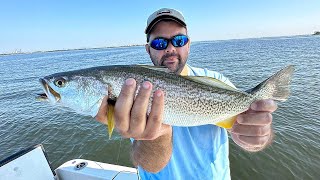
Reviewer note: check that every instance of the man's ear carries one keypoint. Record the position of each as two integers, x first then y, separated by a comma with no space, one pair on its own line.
147,48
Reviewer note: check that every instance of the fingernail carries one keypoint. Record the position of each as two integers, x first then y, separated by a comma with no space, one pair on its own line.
129,82
254,106
145,85
270,102
158,93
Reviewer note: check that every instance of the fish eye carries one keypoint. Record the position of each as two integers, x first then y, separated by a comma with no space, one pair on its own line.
60,82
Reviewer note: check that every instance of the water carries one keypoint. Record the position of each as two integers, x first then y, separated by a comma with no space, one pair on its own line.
293,155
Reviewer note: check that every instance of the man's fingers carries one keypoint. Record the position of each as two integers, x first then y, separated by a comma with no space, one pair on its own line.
264,105
255,119
123,106
254,141
131,112
251,130
153,126
139,110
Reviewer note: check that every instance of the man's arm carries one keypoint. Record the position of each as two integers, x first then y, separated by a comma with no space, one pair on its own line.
253,129
152,147
152,155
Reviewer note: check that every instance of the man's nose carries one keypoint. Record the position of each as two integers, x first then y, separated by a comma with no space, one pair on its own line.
170,48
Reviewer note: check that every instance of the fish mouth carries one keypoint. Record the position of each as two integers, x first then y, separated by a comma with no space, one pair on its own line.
49,93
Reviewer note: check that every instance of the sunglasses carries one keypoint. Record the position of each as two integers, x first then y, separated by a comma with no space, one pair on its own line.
161,43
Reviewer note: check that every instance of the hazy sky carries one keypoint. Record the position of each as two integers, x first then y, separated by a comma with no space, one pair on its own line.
47,25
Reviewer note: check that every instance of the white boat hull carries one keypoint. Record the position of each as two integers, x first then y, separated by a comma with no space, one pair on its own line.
32,163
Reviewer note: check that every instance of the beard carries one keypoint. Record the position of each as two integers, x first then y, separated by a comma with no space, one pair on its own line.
178,66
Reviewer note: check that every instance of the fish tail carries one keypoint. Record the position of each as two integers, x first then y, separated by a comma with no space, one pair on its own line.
275,87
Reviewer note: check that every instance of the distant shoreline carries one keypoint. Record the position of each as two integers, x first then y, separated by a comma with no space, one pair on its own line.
61,50
79,49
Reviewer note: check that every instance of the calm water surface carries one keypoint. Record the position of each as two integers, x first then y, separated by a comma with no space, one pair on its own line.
295,153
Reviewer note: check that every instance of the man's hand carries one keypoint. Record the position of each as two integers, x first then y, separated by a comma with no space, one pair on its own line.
252,129
131,118
131,113
152,147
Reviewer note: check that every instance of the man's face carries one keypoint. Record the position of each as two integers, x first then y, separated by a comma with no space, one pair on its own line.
174,58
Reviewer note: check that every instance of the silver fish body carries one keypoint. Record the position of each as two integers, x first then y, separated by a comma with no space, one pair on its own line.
189,101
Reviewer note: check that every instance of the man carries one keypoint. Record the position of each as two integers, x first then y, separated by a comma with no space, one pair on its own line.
164,152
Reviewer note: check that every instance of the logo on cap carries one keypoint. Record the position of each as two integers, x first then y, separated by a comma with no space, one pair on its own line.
161,12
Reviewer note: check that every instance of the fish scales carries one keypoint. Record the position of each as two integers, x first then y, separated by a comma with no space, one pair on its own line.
186,101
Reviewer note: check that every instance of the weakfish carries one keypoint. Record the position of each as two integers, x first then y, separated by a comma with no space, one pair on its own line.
189,100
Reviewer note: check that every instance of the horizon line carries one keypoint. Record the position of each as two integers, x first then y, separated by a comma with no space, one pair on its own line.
132,45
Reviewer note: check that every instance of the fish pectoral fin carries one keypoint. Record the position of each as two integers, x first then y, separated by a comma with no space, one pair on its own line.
110,116
227,123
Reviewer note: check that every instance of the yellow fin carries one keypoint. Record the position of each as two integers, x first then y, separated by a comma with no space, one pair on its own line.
110,116
228,123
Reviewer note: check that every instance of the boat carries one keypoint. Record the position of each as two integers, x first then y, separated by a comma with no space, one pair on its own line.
32,163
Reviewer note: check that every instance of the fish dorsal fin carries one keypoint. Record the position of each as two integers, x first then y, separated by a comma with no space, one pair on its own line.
209,81
156,68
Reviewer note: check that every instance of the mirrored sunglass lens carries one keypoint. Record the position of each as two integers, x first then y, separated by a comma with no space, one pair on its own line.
179,41
159,44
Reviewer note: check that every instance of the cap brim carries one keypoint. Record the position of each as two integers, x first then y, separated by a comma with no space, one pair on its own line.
160,18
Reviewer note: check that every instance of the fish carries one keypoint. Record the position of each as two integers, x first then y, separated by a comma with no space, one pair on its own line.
189,100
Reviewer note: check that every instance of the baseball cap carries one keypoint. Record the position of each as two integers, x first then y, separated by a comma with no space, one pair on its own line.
164,13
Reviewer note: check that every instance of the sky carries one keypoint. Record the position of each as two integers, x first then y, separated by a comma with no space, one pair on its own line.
53,25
